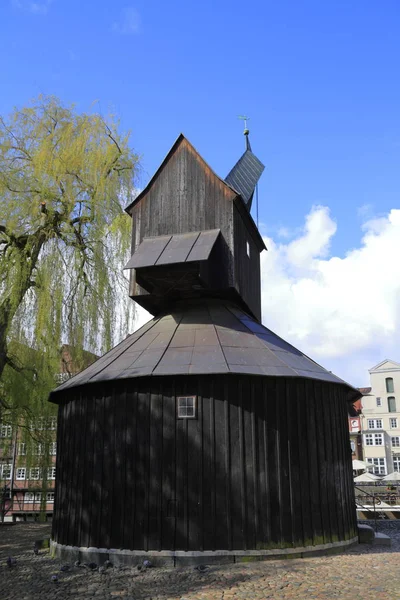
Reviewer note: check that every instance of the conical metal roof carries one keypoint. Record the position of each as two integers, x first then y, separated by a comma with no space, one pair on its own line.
204,337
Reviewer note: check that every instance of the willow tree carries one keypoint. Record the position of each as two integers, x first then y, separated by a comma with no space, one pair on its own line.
64,178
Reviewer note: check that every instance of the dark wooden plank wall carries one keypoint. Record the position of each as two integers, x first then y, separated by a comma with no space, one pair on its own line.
266,464
247,269
171,207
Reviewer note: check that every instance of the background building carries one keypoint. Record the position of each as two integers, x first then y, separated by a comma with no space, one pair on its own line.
28,474
28,458
355,430
381,419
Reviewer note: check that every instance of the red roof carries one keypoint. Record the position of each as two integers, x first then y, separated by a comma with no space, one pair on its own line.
365,391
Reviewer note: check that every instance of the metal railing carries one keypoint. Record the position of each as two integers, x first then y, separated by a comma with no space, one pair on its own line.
376,501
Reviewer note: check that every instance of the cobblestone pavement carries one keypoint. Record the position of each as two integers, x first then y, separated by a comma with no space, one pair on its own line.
364,571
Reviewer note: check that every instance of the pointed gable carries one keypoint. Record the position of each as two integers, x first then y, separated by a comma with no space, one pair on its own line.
182,159
184,195
385,365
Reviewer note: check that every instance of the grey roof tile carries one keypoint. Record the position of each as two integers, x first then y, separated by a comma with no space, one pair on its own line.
205,337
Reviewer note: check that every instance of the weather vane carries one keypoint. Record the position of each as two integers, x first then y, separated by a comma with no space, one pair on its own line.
245,119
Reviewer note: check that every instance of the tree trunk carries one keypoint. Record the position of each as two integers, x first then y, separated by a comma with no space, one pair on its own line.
10,305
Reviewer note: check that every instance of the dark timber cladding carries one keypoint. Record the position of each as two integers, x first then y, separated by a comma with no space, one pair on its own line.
206,483
185,196
204,430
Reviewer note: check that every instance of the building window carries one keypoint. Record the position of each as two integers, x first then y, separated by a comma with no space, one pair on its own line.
38,496
186,407
393,423
392,404
37,449
248,249
378,466
53,448
389,385
50,497
5,471
378,402
374,423
353,446
21,473
34,473
51,473
61,377
396,442
373,439
29,497
40,423
21,449
5,431
396,463
53,423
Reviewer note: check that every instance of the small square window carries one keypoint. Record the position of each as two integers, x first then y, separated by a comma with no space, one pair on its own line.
5,471
21,473
5,431
186,407
378,402
34,473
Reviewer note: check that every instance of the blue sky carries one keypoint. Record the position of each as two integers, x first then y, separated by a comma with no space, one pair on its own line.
320,81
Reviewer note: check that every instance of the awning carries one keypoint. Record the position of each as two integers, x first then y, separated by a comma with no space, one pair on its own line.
174,249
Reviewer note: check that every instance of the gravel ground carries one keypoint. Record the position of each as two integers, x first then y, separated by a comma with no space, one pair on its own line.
365,571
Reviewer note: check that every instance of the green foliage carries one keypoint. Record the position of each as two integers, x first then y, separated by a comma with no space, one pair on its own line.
64,238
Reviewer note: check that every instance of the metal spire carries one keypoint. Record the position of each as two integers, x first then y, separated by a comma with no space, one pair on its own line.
246,131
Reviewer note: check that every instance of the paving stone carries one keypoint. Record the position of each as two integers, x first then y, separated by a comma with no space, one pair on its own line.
311,578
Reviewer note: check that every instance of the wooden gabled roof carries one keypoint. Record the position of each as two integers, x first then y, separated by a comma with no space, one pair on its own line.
235,194
179,140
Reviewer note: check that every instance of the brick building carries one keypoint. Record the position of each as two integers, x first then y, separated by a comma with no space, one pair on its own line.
27,474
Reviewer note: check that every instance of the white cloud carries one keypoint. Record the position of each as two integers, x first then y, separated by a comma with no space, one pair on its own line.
38,8
343,312
129,22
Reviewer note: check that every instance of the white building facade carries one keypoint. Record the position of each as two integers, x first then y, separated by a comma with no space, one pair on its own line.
380,420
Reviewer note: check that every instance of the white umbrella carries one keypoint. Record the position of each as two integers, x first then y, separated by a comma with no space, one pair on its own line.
359,465
392,477
366,477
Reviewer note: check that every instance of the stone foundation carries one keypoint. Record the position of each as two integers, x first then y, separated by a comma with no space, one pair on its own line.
178,558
